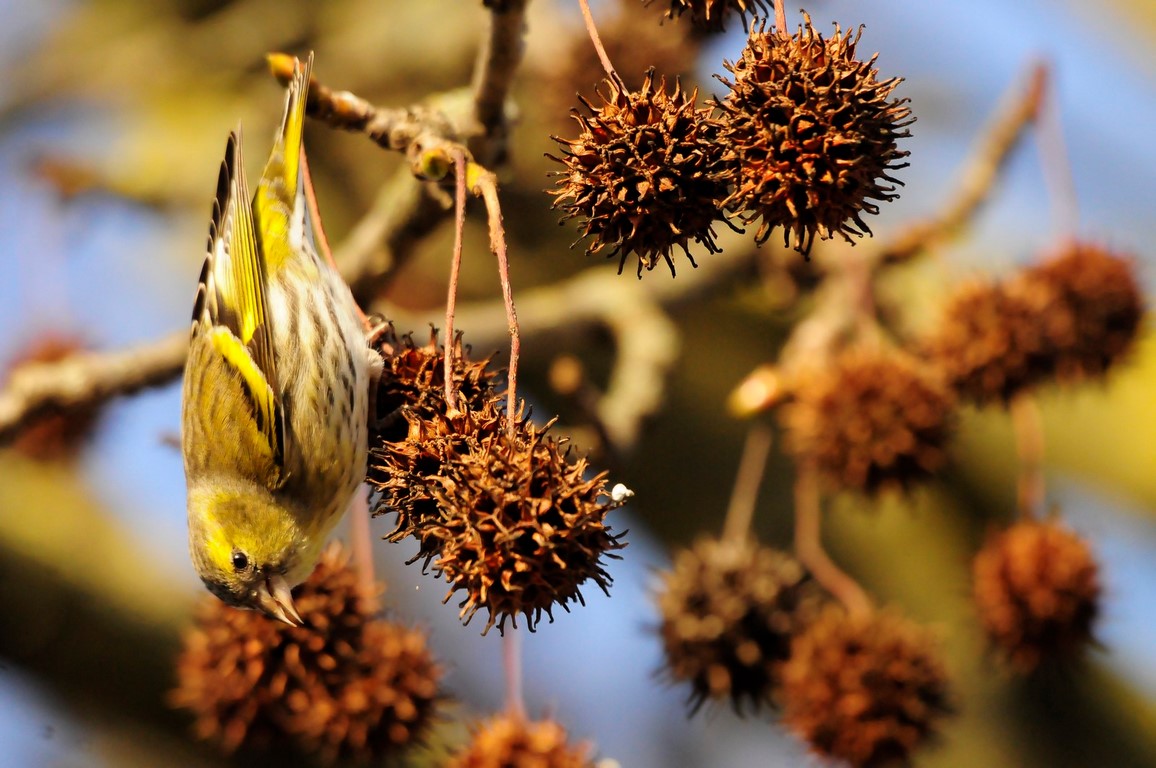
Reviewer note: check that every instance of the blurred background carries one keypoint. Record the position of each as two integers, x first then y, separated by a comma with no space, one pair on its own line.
113,115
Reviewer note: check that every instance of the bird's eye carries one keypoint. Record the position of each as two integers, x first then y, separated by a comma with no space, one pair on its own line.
240,560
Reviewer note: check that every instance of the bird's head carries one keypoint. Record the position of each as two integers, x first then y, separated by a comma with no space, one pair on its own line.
249,549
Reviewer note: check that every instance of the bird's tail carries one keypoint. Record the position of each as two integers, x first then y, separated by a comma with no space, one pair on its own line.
285,160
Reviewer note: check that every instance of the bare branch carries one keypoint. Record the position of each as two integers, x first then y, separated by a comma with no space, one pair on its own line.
1021,108
498,61
86,379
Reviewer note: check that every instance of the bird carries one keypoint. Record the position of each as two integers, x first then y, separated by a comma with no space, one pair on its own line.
276,392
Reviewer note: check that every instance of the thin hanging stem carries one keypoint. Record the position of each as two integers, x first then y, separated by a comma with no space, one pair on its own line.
512,665
361,542
597,40
455,271
489,189
1028,425
1054,159
752,468
809,546
781,19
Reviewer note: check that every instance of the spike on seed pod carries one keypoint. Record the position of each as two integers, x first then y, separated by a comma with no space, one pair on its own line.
1037,591
729,610
346,686
866,690
711,15
644,175
811,134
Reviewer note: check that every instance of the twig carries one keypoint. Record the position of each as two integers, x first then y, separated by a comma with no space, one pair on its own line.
361,542
752,467
487,184
498,61
512,665
592,30
455,270
393,128
1029,436
647,344
809,545
781,19
87,378
595,296
1056,165
1022,106
406,211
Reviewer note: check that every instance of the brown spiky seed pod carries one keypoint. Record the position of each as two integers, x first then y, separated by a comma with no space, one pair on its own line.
411,409
729,610
871,421
519,527
643,176
413,381
1037,591
711,15
55,435
511,521
510,741
345,686
1093,308
867,690
811,135
991,344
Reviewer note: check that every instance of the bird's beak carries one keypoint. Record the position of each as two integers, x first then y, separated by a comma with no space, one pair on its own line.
276,600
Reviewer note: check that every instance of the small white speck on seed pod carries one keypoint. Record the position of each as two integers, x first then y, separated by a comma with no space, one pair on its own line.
620,493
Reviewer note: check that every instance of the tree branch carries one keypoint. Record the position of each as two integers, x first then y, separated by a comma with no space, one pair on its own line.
87,378
1021,108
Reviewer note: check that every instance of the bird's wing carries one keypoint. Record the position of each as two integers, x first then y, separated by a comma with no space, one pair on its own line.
232,310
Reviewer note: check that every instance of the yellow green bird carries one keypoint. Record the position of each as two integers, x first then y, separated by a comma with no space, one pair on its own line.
276,389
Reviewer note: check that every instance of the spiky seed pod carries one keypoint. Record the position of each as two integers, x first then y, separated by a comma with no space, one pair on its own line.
413,382
811,135
512,522
1093,309
711,15
345,686
509,741
990,344
56,435
1037,591
412,410
871,421
729,610
865,690
643,176
518,527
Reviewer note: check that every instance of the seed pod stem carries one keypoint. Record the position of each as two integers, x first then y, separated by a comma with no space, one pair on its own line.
809,545
1029,436
752,468
597,40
